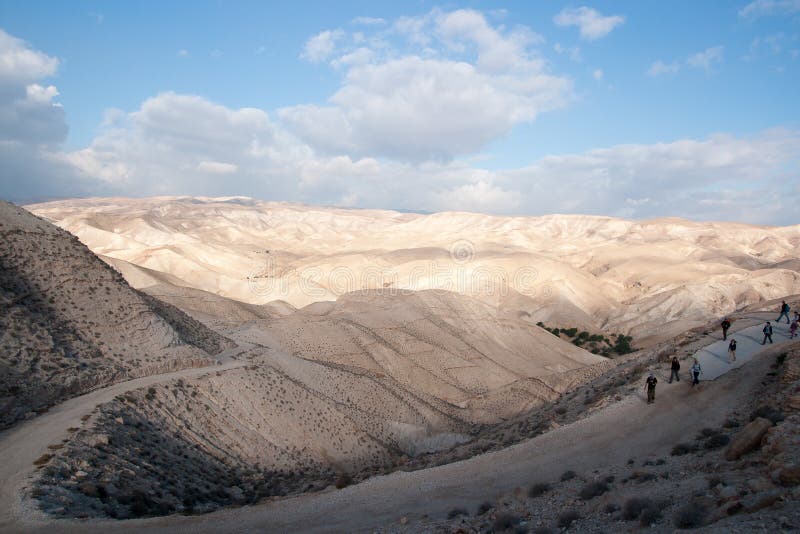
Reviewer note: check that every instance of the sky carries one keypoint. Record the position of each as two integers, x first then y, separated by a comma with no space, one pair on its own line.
637,109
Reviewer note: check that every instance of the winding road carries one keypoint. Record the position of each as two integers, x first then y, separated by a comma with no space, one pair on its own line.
609,436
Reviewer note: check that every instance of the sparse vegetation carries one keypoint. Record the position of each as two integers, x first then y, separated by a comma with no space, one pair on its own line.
565,519
691,515
505,521
615,344
593,489
567,475
538,489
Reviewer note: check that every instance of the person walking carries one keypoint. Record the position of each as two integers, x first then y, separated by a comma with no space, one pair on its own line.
732,351
767,333
784,312
650,385
725,325
696,371
793,329
676,366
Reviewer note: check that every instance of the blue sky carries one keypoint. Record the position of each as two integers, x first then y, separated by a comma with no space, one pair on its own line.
632,109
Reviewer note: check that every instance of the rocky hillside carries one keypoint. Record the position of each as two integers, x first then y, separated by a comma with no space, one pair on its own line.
70,323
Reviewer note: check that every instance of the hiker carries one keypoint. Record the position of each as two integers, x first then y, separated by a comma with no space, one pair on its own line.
767,333
793,329
696,370
732,351
725,325
650,385
676,366
784,312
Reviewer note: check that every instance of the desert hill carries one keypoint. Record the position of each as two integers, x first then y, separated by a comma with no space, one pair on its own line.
332,391
597,273
70,323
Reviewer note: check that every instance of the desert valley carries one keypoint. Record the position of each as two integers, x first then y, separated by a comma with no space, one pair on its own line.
399,267
265,352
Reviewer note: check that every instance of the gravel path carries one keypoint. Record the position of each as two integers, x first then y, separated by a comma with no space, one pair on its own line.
627,429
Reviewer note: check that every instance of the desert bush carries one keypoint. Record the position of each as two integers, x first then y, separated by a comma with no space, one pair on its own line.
683,448
456,512
714,481
484,507
538,489
593,489
716,441
730,423
343,480
567,475
692,515
650,515
565,519
611,507
505,521
642,476
633,507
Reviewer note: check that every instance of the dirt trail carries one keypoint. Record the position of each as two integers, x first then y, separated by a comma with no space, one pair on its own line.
627,429
22,445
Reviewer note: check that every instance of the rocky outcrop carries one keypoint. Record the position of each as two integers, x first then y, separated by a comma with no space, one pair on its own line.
748,439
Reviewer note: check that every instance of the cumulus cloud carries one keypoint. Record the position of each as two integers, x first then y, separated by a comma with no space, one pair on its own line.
159,149
469,84
760,8
592,24
598,74
19,64
705,59
321,46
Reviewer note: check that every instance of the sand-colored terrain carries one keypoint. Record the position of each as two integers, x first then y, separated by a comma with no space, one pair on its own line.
69,323
566,270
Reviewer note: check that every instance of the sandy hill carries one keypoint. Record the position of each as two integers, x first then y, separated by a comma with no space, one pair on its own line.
585,271
333,390
70,323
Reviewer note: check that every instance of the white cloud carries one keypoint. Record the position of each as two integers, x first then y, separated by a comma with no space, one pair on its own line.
19,64
659,67
598,74
183,53
321,46
760,8
216,53
369,21
358,56
706,59
592,24
455,84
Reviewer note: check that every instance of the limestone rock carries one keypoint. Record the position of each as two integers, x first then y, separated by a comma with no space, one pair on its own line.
748,439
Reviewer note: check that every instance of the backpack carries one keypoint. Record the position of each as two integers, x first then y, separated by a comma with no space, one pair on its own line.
732,346
651,381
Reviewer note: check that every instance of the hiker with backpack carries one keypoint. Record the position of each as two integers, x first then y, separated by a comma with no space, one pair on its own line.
784,312
650,386
696,371
725,325
732,351
675,367
767,333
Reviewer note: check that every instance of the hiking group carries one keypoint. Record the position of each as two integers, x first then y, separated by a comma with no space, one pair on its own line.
696,370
